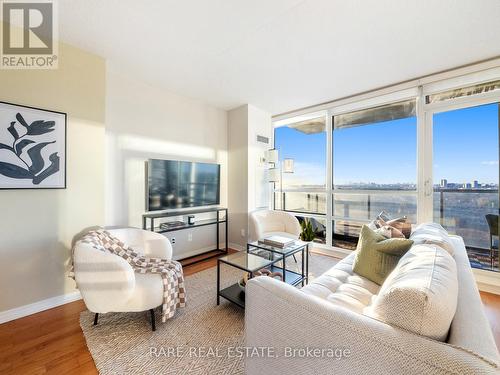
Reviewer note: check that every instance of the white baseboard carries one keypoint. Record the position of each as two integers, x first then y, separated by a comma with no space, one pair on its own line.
236,246
335,252
487,281
192,253
32,308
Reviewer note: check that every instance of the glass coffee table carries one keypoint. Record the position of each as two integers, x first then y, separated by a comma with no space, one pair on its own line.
250,262
246,262
276,253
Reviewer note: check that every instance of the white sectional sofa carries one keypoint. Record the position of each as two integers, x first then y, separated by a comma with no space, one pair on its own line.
333,325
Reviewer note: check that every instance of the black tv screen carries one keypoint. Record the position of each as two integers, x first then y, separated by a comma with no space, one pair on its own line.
174,184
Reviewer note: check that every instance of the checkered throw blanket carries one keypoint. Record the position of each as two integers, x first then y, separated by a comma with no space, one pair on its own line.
174,294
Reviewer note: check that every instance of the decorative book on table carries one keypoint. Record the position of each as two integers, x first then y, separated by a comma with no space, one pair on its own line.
277,241
172,224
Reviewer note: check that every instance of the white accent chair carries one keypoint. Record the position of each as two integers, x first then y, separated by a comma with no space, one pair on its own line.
108,283
265,223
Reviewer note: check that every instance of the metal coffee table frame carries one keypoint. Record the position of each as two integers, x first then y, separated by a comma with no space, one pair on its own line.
290,277
246,262
249,262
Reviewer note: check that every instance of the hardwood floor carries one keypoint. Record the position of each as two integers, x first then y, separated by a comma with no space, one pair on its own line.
491,304
52,342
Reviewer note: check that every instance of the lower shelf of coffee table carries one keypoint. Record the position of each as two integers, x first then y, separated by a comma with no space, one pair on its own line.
236,295
291,277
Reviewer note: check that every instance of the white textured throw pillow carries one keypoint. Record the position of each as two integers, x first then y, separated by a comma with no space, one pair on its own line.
420,294
432,234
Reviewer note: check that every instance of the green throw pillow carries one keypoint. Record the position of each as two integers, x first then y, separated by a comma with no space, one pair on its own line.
377,256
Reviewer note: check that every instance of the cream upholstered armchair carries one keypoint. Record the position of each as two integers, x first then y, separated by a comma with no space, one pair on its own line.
108,283
265,223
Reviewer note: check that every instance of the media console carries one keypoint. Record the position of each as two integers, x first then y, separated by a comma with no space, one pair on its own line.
217,221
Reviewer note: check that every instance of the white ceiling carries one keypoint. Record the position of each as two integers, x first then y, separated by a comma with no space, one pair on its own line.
281,55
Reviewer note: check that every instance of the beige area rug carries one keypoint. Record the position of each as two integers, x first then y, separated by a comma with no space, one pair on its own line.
198,340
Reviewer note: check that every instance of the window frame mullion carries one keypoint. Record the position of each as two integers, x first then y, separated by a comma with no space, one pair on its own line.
329,178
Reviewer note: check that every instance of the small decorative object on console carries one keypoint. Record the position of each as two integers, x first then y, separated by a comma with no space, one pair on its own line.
191,219
171,224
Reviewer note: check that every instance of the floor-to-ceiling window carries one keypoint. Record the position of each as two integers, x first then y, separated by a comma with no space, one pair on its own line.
465,173
430,153
374,167
301,189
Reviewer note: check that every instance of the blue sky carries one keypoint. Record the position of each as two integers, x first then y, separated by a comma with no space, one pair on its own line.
466,144
308,152
465,149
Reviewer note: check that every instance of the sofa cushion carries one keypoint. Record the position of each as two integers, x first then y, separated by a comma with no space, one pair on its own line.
403,224
380,226
420,295
389,232
432,234
376,256
341,286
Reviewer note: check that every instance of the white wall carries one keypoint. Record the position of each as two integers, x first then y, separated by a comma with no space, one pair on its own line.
248,186
115,123
144,122
259,123
238,176
37,226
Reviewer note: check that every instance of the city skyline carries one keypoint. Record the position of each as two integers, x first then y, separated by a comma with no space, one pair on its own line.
460,185
474,184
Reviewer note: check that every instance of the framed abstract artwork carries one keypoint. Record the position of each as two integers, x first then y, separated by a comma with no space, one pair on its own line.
32,148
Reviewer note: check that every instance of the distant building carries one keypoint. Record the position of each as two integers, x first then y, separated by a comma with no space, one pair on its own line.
475,184
467,185
444,183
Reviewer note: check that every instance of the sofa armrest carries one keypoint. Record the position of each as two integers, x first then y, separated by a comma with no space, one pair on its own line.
106,281
290,322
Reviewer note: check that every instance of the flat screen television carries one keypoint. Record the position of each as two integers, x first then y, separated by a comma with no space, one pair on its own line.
174,184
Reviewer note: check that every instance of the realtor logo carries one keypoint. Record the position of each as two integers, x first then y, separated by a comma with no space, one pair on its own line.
28,35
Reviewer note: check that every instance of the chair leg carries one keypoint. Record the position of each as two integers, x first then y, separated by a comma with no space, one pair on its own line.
295,259
96,317
153,322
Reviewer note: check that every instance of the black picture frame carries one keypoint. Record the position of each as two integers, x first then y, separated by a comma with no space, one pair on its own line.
60,126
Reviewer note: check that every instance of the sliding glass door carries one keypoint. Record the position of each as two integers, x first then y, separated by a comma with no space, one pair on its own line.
465,150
